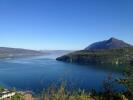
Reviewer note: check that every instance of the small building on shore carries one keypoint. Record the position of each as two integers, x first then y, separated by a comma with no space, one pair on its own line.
6,94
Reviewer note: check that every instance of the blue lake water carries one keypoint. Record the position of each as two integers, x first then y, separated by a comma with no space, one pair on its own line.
37,73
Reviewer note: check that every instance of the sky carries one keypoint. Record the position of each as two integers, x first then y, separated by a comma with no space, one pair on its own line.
64,24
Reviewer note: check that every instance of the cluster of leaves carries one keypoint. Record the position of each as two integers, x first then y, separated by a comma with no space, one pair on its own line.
109,91
1,89
127,81
17,96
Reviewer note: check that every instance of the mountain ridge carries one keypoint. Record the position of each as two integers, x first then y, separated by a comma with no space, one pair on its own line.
111,43
8,52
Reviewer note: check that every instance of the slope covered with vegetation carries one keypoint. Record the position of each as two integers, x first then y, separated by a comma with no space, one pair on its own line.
119,56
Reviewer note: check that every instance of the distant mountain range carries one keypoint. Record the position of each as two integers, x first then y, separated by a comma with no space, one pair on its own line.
112,43
112,51
6,52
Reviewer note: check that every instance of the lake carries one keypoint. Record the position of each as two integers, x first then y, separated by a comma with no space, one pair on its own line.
37,73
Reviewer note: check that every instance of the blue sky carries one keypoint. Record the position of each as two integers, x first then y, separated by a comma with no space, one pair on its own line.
64,24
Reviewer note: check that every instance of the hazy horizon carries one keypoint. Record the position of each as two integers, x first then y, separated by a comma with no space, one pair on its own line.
55,49
63,24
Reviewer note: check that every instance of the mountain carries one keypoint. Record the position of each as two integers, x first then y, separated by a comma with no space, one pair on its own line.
6,52
112,51
112,43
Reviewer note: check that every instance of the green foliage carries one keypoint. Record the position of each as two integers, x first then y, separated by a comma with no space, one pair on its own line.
1,89
17,96
62,94
127,81
109,91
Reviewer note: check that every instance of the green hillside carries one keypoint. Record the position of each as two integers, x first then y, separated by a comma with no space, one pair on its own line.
106,56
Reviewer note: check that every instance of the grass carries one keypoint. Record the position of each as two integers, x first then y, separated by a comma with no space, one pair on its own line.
17,96
63,94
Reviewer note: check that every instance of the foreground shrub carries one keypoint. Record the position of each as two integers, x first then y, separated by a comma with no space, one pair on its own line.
63,94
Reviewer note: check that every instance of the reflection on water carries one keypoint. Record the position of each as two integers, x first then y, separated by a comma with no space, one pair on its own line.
37,73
